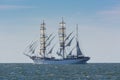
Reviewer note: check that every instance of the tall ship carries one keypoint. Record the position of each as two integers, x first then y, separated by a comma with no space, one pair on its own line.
66,53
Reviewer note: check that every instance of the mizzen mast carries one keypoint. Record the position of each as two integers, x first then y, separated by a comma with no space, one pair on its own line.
78,50
42,39
62,35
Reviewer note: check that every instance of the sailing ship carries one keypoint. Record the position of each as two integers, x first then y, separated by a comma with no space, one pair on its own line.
44,56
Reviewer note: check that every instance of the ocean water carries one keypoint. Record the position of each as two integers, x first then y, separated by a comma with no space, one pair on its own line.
93,71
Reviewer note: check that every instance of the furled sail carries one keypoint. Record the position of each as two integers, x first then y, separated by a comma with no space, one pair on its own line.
62,36
43,39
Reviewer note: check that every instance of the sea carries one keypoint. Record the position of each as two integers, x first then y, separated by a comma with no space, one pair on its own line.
30,71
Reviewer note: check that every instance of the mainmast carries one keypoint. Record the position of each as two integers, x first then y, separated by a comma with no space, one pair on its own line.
62,36
43,39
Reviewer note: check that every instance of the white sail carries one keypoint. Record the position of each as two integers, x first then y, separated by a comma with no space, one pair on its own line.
70,53
49,37
51,50
50,42
69,43
31,48
59,54
68,36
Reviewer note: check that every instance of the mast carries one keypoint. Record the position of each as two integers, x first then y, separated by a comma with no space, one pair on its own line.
77,31
77,38
43,39
79,53
62,36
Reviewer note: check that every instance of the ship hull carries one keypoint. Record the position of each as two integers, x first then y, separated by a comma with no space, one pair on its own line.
61,61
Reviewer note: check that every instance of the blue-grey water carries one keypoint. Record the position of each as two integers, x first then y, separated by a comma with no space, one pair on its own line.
60,72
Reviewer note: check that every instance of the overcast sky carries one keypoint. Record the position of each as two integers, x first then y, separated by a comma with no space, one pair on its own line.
99,26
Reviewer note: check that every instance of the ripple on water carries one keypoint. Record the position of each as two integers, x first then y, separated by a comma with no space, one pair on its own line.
60,72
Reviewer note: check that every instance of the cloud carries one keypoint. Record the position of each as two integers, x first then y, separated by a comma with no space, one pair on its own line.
111,15
113,11
6,7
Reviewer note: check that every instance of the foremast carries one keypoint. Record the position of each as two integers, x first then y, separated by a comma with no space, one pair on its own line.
43,40
62,35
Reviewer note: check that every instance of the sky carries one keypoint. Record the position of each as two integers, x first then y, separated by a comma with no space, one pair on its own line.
98,20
